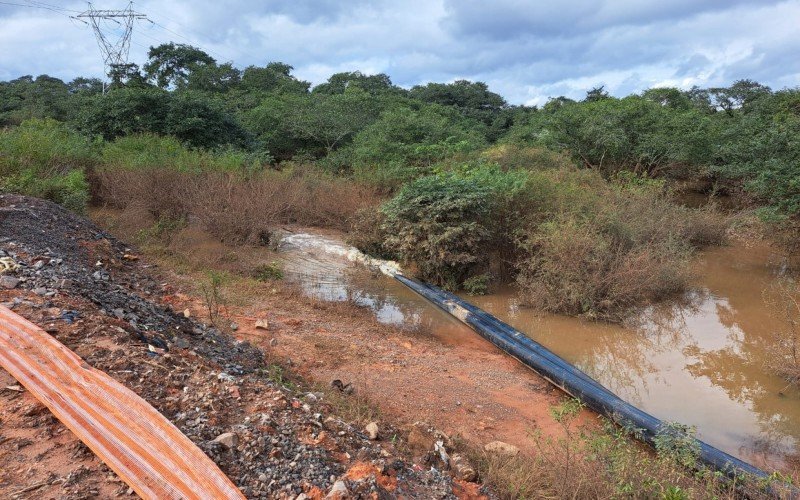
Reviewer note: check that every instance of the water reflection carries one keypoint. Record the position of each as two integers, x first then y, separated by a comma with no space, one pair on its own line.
700,361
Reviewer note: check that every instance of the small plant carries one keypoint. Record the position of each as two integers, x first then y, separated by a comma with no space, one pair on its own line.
477,285
676,442
268,272
212,296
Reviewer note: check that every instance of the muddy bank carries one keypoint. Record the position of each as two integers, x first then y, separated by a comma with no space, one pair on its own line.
712,345
92,293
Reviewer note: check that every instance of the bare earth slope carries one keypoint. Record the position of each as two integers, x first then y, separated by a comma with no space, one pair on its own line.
88,291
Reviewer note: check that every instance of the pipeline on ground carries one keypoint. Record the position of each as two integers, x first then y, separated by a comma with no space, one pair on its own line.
576,383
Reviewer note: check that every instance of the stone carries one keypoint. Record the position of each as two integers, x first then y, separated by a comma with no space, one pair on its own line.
462,469
234,326
421,438
273,342
501,448
8,282
262,324
338,491
372,430
228,439
40,290
187,313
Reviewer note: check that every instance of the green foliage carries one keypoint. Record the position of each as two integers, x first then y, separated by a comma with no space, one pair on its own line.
634,133
268,272
170,64
477,285
443,224
45,158
761,149
147,151
69,189
676,442
405,143
194,118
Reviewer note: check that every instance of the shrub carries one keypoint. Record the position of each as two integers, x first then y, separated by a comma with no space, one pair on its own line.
784,352
603,251
45,158
237,207
268,272
442,222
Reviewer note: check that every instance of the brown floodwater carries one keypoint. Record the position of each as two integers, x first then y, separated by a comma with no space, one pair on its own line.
701,361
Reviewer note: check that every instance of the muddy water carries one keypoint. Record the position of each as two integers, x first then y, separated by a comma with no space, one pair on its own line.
700,362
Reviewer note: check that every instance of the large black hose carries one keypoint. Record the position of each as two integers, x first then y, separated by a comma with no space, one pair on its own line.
569,378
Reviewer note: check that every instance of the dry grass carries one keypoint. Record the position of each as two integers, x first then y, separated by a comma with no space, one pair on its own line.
602,463
234,207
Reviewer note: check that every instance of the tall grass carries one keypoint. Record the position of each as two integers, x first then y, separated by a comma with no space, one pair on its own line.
46,159
149,151
606,462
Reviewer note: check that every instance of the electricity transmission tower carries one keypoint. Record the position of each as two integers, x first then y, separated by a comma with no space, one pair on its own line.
114,49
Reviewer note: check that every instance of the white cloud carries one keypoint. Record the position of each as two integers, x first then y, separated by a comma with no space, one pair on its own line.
526,50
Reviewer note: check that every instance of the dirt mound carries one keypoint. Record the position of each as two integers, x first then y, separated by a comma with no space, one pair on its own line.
90,292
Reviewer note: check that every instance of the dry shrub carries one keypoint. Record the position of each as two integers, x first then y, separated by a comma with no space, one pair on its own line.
784,353
631,248
237,207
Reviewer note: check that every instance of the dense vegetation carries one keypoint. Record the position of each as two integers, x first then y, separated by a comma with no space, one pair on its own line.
572,199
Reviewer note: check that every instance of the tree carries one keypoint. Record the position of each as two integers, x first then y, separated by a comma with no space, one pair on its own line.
274,77
738,95
338,83
85,86
213,78
596,94
331,120
169,64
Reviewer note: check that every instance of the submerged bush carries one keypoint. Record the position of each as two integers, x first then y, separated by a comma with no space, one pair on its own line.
46,159
619,247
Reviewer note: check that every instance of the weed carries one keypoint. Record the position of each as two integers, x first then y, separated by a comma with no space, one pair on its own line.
477,285
268,272
212,297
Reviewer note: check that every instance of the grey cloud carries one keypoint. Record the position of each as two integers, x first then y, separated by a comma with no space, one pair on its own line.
526,50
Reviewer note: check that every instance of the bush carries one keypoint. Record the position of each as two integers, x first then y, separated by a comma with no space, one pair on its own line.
443,223
46,159
602,253
237,207
268,272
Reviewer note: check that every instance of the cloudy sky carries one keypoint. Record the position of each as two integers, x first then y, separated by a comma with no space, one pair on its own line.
527,50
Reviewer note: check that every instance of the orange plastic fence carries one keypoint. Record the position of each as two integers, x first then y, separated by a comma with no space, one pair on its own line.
122,429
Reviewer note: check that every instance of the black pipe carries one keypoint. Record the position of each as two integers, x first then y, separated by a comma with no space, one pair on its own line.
569,378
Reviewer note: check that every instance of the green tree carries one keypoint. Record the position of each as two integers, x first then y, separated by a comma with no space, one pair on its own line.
169,64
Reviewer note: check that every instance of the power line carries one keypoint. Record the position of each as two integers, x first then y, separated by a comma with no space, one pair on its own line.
115,52
46,7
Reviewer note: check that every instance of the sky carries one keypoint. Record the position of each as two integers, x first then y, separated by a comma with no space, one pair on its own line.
527,51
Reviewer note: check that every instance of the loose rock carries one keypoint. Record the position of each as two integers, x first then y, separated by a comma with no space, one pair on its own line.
501,448
228,439
372,430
